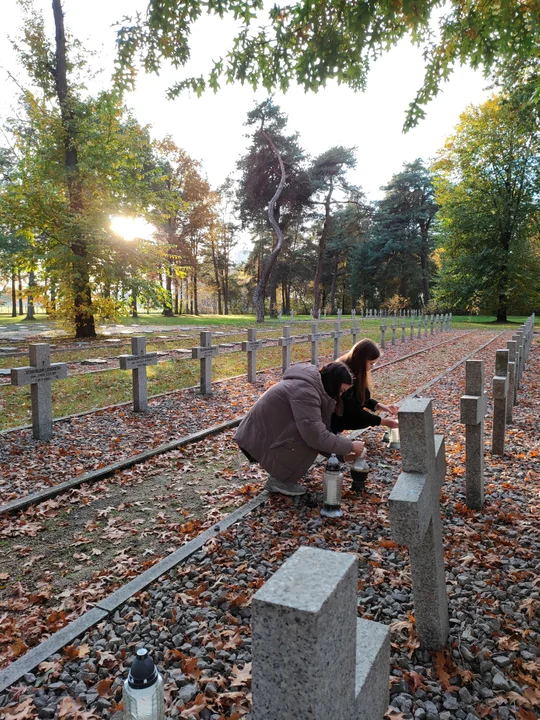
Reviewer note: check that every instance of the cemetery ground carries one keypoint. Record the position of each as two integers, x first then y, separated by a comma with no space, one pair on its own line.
197,617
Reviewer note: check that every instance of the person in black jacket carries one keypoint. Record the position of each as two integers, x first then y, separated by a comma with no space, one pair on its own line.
359,408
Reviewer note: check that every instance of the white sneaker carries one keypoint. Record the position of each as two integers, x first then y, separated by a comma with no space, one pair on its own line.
285,488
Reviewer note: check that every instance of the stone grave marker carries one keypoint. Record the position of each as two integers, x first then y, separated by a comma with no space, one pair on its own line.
518,337
312,656
415,518
394,330
431,321
339,314
314,338
473,406
336,334
419,334
137,363
285,343
412,327
383,334
251,347
403,328
39,375
426,323
511,395
354,331
500,392
205,353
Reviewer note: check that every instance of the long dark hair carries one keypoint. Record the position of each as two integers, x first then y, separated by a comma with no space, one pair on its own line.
333,376
356,360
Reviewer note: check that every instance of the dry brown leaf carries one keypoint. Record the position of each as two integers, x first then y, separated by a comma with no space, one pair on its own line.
104,687
243,676
22,711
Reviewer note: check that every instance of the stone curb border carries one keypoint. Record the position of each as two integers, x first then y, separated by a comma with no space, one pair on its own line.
63,418
16,670
101,473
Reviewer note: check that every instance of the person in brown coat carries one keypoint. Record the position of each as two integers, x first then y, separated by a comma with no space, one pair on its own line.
290,424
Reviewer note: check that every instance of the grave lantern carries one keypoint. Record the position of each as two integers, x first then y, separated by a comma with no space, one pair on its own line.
332,486
359,473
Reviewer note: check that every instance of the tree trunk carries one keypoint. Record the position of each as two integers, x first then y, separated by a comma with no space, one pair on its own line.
167,305
502,291
273,300
13,293
176,304
260,291
52,307
30,314
322,248
424,260
82,292
195,293
333,289
21,306
134,310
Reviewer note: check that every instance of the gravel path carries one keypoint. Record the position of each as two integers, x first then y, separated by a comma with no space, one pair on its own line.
196,620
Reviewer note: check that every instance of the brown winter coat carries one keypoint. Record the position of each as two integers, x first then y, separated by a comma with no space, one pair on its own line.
290,424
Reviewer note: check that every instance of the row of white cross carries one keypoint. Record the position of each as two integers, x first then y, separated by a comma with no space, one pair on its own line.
41,372
438,323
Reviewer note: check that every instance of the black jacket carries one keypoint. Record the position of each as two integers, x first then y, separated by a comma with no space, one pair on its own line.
355,415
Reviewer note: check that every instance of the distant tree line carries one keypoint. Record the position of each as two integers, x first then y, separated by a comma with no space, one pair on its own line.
459,233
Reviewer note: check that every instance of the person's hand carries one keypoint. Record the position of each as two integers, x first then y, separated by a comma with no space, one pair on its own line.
358,447
389,423
392,409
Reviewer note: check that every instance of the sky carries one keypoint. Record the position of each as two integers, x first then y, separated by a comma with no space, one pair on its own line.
211,128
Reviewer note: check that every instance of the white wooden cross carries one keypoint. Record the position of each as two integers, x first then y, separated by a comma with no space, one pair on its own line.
39,376
336,334
251,347
415,518
205,353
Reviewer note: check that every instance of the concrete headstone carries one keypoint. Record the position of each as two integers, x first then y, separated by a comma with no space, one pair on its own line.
205,353
39,376
312,656
415,518
473,407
